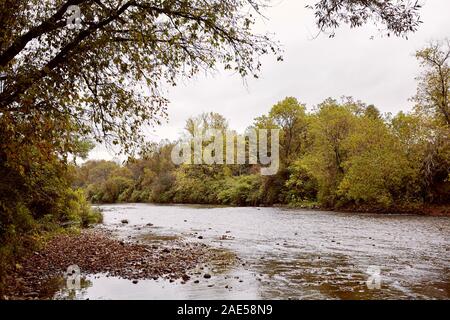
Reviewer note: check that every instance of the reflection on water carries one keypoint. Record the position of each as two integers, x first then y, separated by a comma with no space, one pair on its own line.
272,253
67,293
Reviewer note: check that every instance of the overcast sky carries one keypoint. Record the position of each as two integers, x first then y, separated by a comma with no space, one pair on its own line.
378,71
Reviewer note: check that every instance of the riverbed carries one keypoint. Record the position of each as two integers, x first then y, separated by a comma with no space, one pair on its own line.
282,253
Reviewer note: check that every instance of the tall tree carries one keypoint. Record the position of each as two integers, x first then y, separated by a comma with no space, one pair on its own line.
433,111
107,78
433,91
289,116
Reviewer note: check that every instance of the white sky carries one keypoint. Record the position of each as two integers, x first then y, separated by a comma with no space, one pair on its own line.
378,71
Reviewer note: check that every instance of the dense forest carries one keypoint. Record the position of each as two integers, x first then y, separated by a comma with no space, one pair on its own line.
341,155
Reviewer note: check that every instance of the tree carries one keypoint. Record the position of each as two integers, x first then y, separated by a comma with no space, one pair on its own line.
153,173
372,112
94,78
432,115
331,126
108,77
289,116
377,170
398,17
207,120
433,91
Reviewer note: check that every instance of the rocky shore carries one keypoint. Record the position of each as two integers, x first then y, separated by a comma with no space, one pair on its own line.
97,251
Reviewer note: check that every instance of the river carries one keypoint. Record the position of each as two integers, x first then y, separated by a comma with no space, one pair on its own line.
286,254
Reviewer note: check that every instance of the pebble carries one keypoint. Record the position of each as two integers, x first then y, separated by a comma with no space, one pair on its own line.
97,252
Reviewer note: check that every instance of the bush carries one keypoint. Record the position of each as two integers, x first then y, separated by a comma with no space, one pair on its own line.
241,191
302,186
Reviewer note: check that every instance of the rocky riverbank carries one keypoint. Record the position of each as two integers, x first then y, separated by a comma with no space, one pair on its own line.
97,251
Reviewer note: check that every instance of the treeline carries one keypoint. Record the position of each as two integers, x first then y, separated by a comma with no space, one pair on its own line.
342,154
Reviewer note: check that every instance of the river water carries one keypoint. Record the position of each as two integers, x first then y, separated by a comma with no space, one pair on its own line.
286,254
